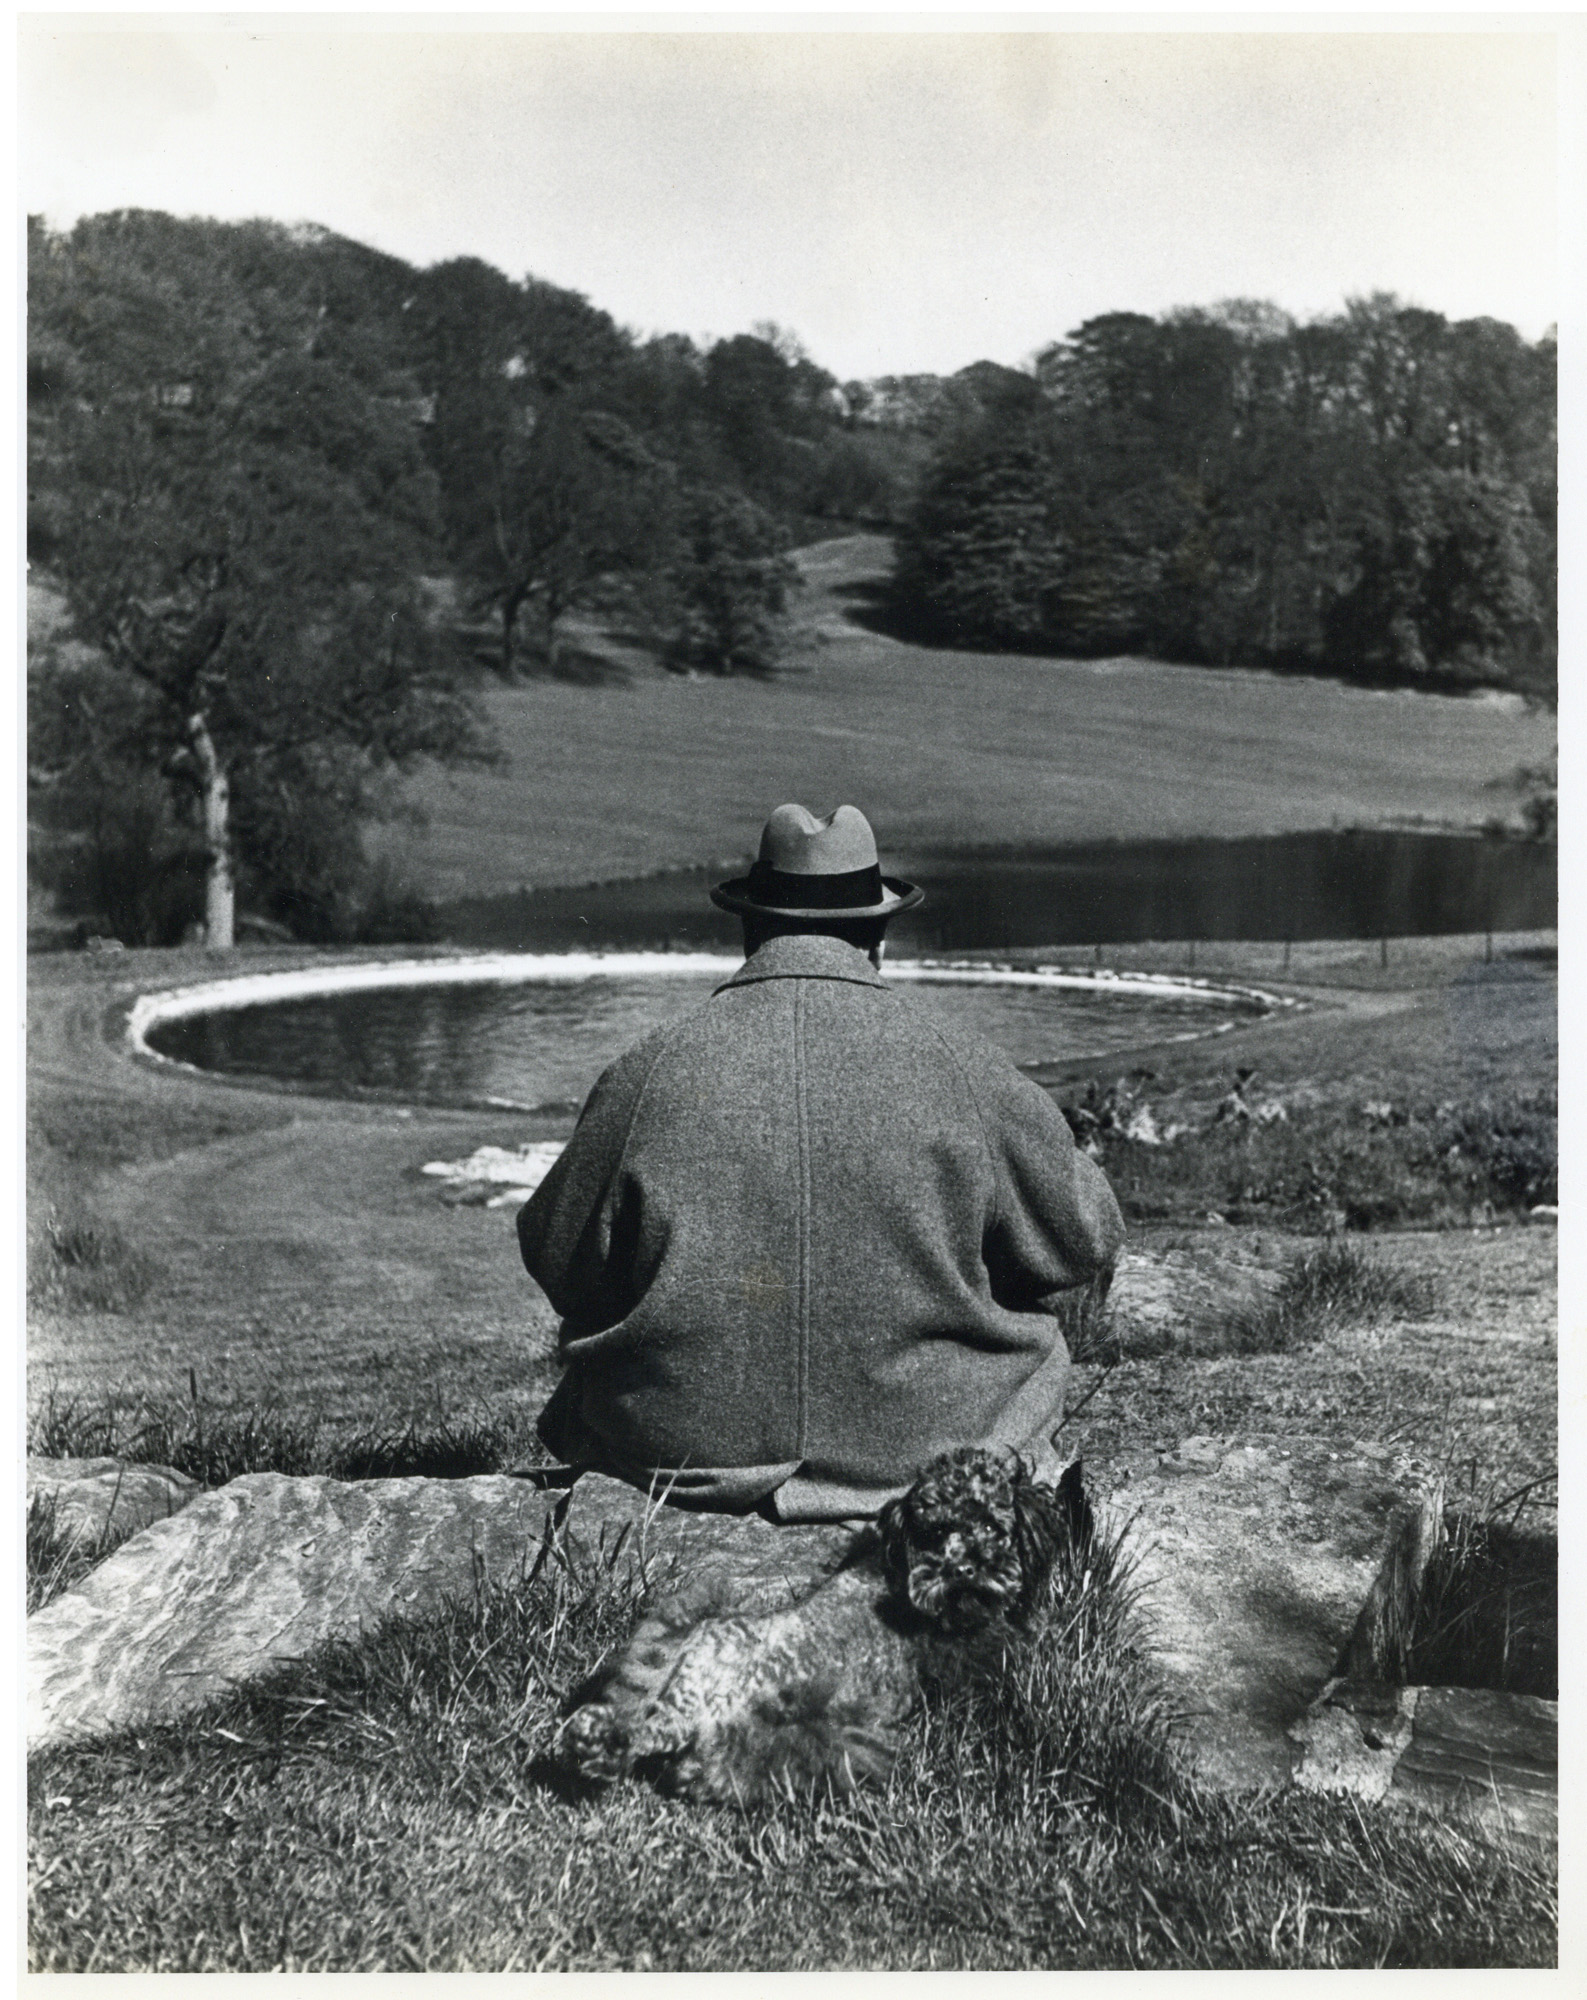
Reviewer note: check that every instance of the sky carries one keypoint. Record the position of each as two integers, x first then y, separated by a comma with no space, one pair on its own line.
902,201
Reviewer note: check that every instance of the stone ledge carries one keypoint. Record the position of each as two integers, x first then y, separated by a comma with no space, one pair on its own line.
1255,1556
268,1568
1491,1754
94,1498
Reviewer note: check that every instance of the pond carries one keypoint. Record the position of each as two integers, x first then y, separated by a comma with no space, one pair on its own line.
1289,886
539,1041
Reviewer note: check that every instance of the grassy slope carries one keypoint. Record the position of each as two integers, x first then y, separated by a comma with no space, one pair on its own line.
625,769
298,1256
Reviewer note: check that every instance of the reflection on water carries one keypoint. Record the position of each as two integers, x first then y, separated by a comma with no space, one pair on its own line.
1295,886
544,1044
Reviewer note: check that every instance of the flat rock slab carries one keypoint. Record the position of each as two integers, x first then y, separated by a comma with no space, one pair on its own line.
1254,1558
1172,1289
93,1499
1494,1755
265,1569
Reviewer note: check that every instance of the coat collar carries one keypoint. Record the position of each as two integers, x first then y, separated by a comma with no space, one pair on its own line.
805,958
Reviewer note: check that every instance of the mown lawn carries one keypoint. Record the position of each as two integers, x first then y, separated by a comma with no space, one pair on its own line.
624,769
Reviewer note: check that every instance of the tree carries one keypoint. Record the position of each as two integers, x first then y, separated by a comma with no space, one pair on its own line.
239,522
726,584
544,491
1371,493
574,498
982,557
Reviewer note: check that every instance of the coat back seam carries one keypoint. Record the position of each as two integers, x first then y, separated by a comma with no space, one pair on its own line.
801,1435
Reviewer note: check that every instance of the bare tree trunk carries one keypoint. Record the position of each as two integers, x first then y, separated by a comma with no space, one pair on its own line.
511,605
220,895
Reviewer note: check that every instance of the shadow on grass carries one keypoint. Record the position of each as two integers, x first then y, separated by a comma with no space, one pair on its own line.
1487,1612
577,666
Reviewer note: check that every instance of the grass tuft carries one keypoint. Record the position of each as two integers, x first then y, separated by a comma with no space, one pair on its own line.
457,1448
85,1262
57,1559
1087,1322
1323,1291
214,1443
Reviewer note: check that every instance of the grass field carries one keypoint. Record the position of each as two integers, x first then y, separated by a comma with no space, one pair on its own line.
621,768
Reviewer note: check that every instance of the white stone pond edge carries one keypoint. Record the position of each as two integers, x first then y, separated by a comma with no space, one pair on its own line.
259,989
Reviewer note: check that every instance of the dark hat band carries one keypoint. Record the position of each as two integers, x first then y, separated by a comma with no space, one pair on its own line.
859,889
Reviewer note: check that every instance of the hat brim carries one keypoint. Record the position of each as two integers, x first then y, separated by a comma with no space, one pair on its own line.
738,897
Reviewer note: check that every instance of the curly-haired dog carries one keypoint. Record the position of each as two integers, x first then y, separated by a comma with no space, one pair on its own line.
716,1706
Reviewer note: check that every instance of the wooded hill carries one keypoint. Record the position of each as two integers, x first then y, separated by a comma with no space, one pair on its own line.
1370,495
298,495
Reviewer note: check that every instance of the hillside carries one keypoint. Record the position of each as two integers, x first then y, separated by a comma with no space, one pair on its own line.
627,769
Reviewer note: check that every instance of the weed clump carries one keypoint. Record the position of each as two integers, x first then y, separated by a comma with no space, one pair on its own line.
1322,1168
85,1262
1324,1291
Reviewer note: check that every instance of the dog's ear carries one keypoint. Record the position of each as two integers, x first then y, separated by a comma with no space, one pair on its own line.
1079,1521
1039,1533
892,1528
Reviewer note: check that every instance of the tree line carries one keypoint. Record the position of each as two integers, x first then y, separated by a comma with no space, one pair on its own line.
301,500
1370,494
296,493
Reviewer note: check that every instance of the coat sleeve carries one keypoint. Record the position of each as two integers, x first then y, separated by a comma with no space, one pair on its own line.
576,1230
1055,1222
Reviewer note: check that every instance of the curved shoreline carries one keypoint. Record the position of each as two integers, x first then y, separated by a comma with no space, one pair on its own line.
150,1010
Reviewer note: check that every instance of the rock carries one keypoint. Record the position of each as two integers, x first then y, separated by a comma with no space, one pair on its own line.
1176,1291
1491,1754
494,1176
96,1498
1350,1739
268,1568
1254,1558
1495,1754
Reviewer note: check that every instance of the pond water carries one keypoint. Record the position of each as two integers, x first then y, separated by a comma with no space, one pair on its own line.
542,1043
1290,886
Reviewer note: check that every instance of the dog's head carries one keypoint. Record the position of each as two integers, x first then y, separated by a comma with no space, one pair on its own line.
976,1537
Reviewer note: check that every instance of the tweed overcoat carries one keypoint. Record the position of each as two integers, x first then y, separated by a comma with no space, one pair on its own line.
806,1237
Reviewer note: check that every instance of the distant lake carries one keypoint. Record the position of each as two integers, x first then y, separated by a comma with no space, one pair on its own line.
1289,886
